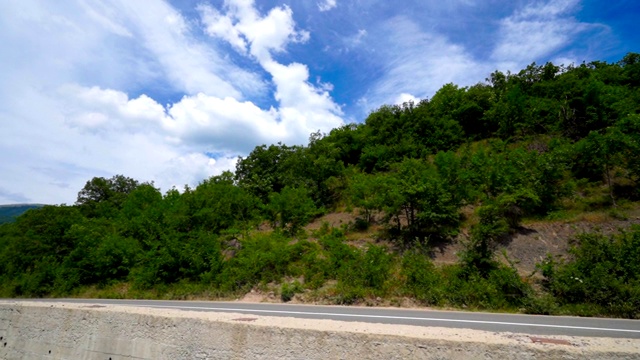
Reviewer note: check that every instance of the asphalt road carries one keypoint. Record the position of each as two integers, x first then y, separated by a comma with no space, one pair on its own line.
528,324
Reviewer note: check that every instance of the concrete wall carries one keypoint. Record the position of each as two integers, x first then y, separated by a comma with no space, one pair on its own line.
55,331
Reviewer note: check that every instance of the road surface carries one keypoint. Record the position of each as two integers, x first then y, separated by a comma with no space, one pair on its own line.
528,324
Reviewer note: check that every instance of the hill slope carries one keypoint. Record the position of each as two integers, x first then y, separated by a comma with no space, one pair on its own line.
8,213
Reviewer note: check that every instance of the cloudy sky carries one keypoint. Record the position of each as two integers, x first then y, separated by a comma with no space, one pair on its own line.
174,91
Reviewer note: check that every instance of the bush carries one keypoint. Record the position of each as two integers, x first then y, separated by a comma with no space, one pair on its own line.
261,259
361,224
464,289
604,272
309,260
499,288
289,290
512,288
338,253
541,305
367,270
422,280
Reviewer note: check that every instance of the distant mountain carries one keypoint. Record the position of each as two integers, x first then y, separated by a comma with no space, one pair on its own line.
9,213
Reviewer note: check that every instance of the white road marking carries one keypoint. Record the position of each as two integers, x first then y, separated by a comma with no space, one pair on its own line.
390,317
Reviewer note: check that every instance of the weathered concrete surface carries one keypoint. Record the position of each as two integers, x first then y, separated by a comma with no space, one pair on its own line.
66,331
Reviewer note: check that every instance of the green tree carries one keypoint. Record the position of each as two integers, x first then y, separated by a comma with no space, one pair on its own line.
364,190
601,152
100,255
40,243
216,204
290,209
270,169
103,197
413,194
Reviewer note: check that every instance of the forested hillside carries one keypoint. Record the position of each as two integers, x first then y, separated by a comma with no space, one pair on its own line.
8,213
545,143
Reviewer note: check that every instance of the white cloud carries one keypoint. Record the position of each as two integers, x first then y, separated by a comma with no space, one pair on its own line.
356,39
417,59
99,109
222,125
201,123
549,10
565,60
406,98
116,44
13,197
91,132
417,63
242,26
303,107
222,26
327,5
198,165
294,90
537,31
193,66
55,166
105,15
67,114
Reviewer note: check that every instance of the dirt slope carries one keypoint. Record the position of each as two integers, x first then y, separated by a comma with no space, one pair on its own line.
530,245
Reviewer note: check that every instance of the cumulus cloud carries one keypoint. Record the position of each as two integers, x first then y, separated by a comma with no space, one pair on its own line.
222,125
95,109
243,27
172,142
201,122
68,115
303,107
223,27
57,141
198,165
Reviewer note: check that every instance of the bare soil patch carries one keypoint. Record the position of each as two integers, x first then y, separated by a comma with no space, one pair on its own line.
533,241
336,220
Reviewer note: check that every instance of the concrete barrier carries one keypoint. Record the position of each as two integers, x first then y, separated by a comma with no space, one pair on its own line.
72,331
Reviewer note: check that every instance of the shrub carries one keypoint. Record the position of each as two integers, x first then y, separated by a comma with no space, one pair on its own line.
422,280
262,258
540,305
604,272
359,273
309,260
338,253
289,290
499,288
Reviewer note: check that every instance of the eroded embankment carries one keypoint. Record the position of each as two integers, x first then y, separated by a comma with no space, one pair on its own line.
72,331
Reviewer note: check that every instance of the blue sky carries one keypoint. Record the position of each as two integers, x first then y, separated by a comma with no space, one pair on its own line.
174,91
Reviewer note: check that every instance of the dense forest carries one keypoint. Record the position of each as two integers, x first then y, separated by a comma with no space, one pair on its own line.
543,143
